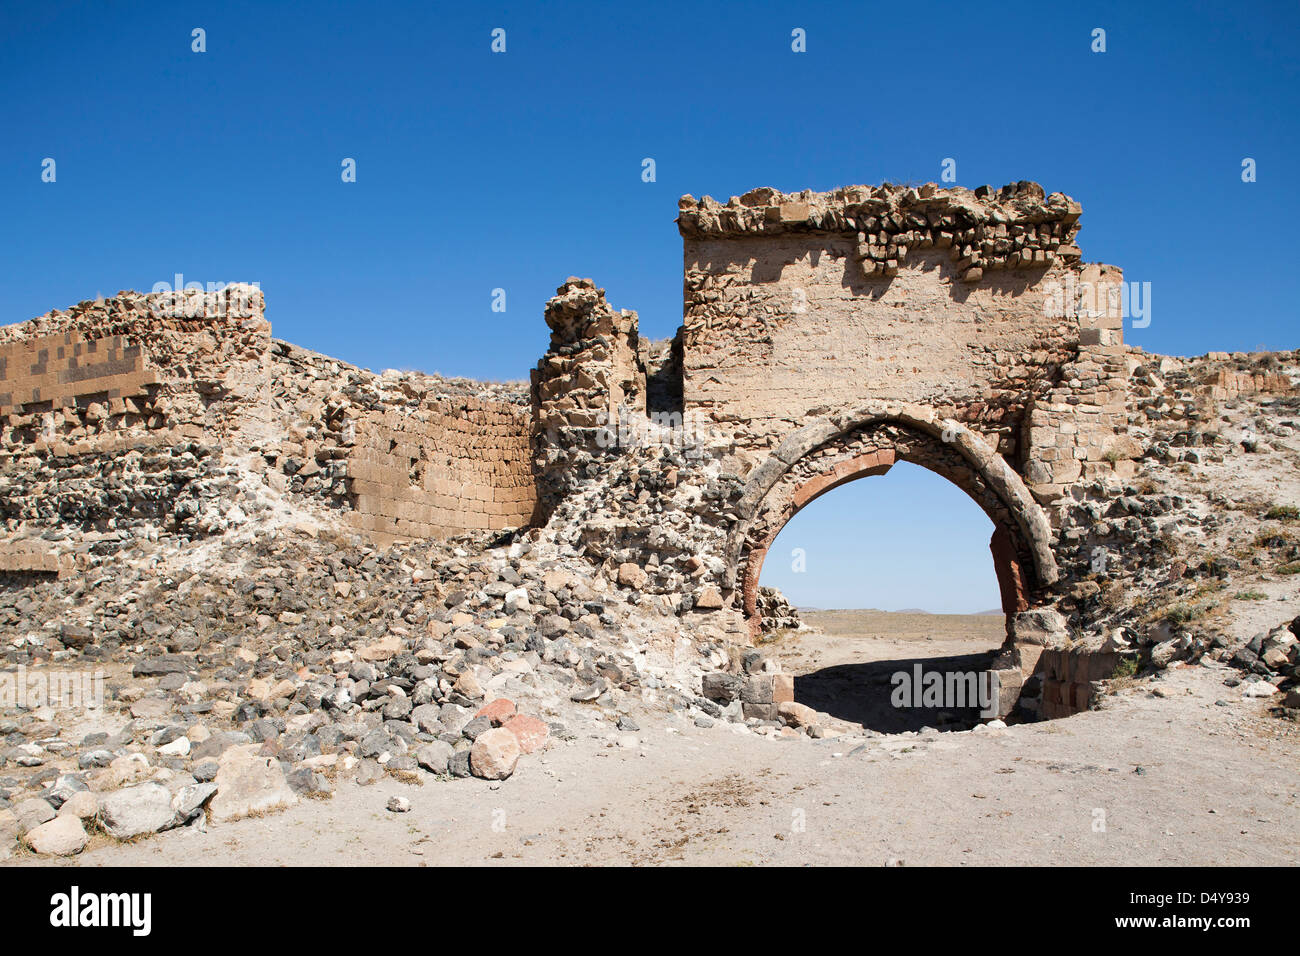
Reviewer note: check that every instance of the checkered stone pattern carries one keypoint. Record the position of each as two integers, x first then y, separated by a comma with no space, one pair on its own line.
63,371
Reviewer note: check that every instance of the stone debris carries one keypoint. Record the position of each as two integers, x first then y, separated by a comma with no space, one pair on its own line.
777,613
399,805
135,811
248,782
495,754
62,836
243,722
291,571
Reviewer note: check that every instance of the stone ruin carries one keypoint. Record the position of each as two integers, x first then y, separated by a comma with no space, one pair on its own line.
400,457
825,337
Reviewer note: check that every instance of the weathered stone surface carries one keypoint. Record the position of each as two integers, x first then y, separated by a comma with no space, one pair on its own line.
709,599
83,805
531,733
435,757
32,812
498,711
62,836
134,811
248,783
188,801
468,685
631,576
797,715
723,687
381,650
427,718
495,754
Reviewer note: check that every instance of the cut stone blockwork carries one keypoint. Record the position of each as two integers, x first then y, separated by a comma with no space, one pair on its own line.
781,324
63,371
451,465
33,558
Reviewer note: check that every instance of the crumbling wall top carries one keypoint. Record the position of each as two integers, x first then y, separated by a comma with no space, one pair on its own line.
578,312
888,207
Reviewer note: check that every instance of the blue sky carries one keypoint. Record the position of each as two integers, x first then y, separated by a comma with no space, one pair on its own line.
478,171
905,539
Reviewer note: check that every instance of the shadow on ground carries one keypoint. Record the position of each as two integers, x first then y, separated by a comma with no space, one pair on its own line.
861,693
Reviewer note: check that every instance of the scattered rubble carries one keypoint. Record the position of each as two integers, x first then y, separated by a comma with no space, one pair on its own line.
287,571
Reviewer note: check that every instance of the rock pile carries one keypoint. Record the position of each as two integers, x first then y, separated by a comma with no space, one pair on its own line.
1271,661
249,672
777,612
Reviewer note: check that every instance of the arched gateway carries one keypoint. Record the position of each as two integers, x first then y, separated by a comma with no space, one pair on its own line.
825,337
869,441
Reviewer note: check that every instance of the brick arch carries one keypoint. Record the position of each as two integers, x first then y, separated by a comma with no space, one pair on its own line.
869,441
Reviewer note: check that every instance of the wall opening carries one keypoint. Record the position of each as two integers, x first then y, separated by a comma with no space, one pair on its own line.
895,581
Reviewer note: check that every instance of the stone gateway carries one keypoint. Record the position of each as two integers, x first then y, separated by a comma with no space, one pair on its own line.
825,338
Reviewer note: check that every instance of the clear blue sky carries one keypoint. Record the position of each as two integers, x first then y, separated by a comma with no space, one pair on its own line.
478,171
905,539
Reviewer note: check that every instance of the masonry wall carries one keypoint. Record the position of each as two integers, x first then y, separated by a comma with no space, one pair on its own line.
593,374
145,365
449,466
141,409
799,305
63,371
114,415
792,330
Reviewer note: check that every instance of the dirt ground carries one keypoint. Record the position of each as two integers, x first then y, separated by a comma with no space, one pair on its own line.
1179,770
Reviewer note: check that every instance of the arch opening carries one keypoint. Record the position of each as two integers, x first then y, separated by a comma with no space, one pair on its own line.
897,580
868,442
1020,542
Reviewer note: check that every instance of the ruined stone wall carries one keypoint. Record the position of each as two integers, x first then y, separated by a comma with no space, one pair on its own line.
969,309
158,368
117,411
446,466
963,322
590,379
960,302
64,371
405,455
146,409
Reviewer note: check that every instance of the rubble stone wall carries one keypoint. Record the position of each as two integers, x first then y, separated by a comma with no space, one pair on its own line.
590,379
135,410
